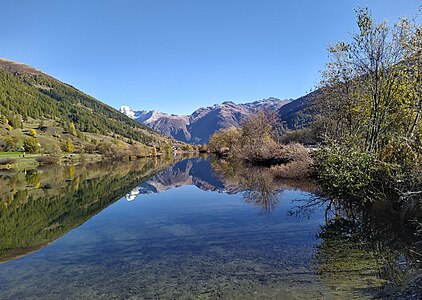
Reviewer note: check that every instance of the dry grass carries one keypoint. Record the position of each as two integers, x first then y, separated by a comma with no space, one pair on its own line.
299,162
264,153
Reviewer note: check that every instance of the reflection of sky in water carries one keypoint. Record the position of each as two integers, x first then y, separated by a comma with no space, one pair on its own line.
181,243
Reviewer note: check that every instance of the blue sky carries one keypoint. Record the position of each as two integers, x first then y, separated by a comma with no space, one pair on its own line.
176,56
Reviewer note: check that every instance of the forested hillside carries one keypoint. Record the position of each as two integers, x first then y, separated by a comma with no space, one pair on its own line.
299,113
28,93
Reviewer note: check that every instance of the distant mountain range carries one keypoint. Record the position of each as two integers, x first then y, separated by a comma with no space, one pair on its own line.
198,127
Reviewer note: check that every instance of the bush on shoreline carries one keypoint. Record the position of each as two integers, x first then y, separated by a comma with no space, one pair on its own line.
299,162
254,143
348,173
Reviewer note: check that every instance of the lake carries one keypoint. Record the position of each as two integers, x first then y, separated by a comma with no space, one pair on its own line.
192,229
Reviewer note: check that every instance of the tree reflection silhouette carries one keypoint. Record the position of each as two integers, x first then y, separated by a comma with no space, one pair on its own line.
367,247
259,185
39,206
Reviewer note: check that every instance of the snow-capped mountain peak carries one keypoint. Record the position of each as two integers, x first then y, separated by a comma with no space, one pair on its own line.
127,111
142,116
198,127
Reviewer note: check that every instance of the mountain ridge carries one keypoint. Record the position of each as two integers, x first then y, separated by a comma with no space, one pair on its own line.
198,127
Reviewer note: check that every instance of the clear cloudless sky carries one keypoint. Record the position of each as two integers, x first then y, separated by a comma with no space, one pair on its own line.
178,55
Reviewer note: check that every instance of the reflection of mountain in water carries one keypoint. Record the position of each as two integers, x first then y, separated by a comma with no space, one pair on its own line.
217,176
196,171
39,206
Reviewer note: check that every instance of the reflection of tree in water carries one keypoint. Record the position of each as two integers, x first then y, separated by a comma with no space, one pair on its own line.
259,185
367,248
305,208
39,206
261,190
33,177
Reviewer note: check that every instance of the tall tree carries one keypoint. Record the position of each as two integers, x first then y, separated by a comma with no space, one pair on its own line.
371,91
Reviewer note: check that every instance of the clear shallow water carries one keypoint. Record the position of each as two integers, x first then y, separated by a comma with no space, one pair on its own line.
184,233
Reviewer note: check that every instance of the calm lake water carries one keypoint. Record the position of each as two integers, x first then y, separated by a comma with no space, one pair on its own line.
192,230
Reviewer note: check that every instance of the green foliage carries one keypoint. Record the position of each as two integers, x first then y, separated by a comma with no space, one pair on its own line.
105,148
8,143
371,90
69,145
348,173
39,97
16,122
370,106
224,139
305,136
72,129
4,120
31,145
168,149
30,220
33,132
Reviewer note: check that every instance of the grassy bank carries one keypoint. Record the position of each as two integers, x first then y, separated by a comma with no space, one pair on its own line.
18,160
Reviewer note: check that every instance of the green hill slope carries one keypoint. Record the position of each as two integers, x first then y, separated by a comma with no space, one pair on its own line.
28,93
299,113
